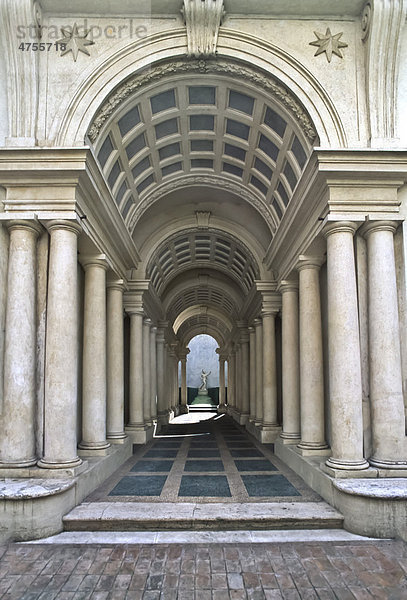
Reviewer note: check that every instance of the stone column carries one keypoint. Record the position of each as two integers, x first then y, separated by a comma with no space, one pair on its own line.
17,444
173,375
245,375
252,344
258,325
162,408
311,358
345,378
136,408
61,356
290,362
153,371
238,379
115,361
269,371
147,372
222,390
231,379
94,356
386,392
184,389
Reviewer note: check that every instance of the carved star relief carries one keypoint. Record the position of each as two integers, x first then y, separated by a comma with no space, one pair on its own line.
75,42
328,43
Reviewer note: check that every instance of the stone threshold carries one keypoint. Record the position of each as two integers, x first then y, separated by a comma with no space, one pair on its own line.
135,516
280,536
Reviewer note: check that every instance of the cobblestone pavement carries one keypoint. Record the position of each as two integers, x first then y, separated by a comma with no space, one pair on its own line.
205,572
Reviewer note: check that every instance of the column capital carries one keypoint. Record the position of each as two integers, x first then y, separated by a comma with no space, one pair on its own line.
32,226
96,260
58,224
258,322
134,309
118,284
288,286
340,227
160,337
147,322
251,330
374,226
309,262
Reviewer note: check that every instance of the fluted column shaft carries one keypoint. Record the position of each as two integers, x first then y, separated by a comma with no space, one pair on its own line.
153,372
146,372
94,356
269,371
311,357
136,408
386,392
252,360
17,444
345,378
258,324
61,356
290,361
115,361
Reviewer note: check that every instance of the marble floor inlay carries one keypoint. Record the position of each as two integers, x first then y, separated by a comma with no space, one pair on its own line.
211,460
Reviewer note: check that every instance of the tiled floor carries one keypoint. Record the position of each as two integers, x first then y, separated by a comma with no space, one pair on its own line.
212,460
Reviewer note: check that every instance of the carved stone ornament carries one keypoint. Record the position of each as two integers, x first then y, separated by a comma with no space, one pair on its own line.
366,19
207,67
74,41
328,43
203,19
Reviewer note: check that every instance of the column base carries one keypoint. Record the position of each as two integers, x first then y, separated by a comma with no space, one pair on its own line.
93,449
43,463
268,433
183,409
290,438
314,449
367,473
222,409
117,438
140,434
388,464
347,465
19,464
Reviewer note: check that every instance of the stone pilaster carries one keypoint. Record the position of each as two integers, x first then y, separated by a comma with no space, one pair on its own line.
94,357
386,392
290,362
61,356
115,362
311,359
17,445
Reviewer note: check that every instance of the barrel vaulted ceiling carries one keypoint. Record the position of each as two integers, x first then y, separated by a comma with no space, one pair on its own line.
202,129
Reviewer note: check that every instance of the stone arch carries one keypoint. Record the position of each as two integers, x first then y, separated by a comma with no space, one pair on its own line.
74,119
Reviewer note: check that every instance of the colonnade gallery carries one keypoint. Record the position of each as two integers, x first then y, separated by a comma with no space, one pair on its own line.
192,167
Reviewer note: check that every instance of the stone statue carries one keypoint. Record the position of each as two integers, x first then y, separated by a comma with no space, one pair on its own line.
204,377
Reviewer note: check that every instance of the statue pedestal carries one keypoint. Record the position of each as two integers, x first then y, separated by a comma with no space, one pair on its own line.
202,398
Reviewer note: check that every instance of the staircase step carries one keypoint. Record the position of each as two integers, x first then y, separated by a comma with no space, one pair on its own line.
156,516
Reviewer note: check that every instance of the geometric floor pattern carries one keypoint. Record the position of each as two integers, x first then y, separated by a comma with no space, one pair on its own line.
209,460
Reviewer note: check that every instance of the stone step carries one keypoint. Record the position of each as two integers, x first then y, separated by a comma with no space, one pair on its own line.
157,516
